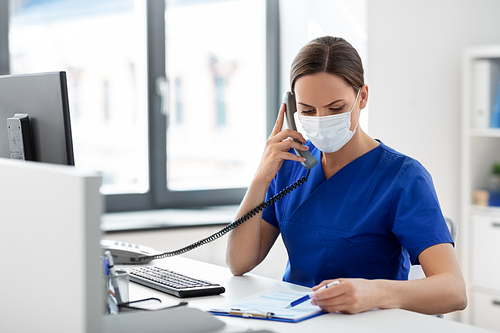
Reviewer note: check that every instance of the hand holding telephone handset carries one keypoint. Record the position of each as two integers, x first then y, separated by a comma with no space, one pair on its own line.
291,108
311,161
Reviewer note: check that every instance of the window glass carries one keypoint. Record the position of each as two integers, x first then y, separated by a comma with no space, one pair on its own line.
102,47
215,59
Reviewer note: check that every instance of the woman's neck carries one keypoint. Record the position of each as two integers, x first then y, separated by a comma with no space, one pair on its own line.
360,144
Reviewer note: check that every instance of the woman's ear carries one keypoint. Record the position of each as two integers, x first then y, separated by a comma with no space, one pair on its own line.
363,94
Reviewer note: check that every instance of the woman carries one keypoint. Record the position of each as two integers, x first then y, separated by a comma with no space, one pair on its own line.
366,211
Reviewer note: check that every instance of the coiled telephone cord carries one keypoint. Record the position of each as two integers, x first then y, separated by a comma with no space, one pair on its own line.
231,225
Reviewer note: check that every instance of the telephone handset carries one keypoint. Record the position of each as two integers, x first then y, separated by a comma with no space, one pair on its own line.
126,253
132,254
291,108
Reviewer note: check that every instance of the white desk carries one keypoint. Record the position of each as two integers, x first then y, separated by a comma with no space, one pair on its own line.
237,287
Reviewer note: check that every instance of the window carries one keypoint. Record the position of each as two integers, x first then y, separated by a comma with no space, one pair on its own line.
102,47
167,103
218,142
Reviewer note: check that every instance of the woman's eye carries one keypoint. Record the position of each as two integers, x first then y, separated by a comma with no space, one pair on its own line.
337,109
306,111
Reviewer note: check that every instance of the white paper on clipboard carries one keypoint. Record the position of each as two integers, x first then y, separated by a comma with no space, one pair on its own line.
271,304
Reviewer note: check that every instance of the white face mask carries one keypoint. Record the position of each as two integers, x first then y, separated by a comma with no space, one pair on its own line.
329,133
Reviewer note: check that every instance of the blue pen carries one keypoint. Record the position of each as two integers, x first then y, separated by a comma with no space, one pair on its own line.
308,296
112,272
105,266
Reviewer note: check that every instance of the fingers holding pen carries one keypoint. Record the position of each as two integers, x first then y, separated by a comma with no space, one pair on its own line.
348,296
331,299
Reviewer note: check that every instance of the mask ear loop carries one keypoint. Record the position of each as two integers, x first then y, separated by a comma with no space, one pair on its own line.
355,101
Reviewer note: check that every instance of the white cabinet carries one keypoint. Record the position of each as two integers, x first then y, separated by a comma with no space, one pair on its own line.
479,235
486,309
486,250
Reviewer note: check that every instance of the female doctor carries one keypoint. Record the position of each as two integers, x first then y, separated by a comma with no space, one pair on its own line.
366,211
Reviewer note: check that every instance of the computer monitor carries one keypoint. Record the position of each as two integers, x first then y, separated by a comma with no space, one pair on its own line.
43,97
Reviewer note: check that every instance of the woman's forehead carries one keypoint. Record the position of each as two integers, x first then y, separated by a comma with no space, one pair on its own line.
321,87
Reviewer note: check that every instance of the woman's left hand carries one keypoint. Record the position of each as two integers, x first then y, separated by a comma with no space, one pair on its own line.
442,291
349,296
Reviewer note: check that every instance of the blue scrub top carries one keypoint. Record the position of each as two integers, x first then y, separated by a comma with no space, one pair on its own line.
366,221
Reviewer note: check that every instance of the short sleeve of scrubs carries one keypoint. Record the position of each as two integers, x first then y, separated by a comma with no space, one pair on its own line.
418,222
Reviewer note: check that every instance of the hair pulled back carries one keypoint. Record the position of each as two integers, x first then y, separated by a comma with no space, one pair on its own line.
333,55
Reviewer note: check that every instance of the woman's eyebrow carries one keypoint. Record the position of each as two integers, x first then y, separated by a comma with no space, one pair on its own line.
304,104
334,102
330,104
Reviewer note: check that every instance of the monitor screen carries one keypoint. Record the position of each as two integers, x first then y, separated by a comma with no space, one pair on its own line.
37,107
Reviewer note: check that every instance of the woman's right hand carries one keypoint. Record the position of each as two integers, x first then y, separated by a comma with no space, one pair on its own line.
249,244
277,149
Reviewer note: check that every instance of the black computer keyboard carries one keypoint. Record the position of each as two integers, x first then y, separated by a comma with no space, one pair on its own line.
173,283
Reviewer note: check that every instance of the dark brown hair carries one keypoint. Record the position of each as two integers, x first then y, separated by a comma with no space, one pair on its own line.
333,55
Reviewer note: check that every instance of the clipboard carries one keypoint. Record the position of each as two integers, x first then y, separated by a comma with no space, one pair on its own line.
251,313
271,305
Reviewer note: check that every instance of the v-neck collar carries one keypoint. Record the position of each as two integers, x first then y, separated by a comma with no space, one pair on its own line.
317,154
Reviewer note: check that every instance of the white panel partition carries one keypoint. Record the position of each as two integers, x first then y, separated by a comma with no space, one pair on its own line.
49,240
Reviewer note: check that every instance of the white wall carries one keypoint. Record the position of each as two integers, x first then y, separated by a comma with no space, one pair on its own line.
414,61
303,20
